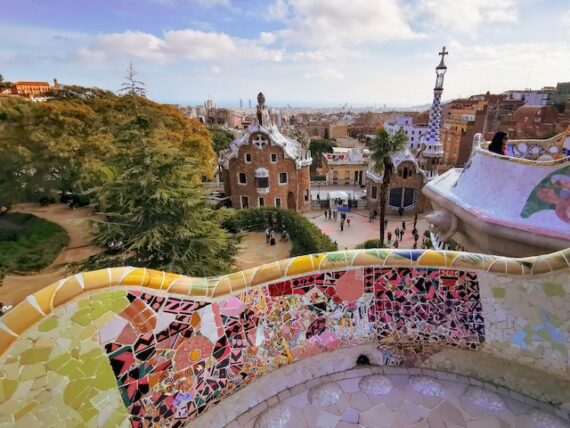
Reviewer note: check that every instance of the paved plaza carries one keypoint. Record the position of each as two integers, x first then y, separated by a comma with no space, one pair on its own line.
361,229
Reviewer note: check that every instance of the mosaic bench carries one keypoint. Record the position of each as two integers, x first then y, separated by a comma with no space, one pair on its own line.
133,346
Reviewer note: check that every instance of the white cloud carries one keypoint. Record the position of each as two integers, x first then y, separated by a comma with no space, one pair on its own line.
215,70
267,38
466,16
326,74
178,45
278,11
329,23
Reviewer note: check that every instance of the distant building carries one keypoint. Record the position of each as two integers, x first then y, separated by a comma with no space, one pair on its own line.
32,89
530,97
532,121
411,172
265,168
346,166
240,103
414,131
249,103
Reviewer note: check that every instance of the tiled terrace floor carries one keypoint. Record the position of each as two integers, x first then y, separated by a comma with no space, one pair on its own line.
395,401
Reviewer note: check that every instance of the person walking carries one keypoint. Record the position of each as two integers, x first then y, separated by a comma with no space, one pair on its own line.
326,214
330,213
415,220
341,225
403,225
397,232
334,215
267,235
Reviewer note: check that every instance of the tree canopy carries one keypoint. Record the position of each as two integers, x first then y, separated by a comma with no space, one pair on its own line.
384,146
317,148
67,142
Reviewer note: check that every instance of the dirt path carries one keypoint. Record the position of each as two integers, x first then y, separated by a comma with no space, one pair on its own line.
255,252
16,288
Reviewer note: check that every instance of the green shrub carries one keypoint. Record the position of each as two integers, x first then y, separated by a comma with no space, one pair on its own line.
371,243
28,243
305,236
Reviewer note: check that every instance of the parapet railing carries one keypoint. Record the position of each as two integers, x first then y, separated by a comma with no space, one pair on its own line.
136,345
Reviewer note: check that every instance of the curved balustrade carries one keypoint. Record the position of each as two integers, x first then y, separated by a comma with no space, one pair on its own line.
132,345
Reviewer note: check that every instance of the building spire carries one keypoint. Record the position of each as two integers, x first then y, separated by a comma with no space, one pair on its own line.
433,149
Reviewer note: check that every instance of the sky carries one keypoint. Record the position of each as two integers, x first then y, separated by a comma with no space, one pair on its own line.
298,52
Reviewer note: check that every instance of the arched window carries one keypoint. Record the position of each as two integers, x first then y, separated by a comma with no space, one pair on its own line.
402,197
262,180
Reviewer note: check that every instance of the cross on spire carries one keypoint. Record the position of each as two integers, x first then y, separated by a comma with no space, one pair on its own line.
442,54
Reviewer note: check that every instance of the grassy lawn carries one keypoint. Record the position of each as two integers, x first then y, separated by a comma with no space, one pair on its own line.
28,243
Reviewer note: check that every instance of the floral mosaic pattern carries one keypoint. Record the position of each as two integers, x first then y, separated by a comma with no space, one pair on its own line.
552,193
175,358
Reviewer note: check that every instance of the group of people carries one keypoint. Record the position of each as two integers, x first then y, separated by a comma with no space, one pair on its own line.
270,235
344,218
399,232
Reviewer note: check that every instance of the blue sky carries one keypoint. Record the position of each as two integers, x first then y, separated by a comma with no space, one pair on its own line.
302,52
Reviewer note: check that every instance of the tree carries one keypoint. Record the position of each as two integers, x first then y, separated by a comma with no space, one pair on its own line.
221,139
383,147
317,148
156,209
132,86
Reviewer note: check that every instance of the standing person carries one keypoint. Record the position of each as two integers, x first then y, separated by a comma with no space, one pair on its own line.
326,214
330,213
334,215
267,235
348,222
403,225
397,232
499,143
389,235
271,238
396,244
341,225
414,231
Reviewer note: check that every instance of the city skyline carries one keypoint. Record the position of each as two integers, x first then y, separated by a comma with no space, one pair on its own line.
298,52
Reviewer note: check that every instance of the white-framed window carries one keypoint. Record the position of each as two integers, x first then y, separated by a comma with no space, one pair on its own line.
278,202
247,158
283,179
274,157
262,180
244,202
242,178
261,201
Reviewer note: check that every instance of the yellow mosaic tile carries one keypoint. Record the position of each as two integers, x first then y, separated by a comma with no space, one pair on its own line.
300,265
399,258
44,297
266,273
136,277
96,279
432,258
224,287
67,291
21,317
367,258
180,286
541,265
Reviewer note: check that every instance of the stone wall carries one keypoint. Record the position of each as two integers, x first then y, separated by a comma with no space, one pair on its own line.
122,345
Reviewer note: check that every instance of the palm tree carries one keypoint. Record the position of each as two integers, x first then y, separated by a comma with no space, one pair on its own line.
383,146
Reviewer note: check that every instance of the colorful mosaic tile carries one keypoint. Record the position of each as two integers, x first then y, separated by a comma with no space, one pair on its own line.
162,349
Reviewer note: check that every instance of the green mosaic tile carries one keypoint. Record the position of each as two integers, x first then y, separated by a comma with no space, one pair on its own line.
552,289
499,292
7,389
48,324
